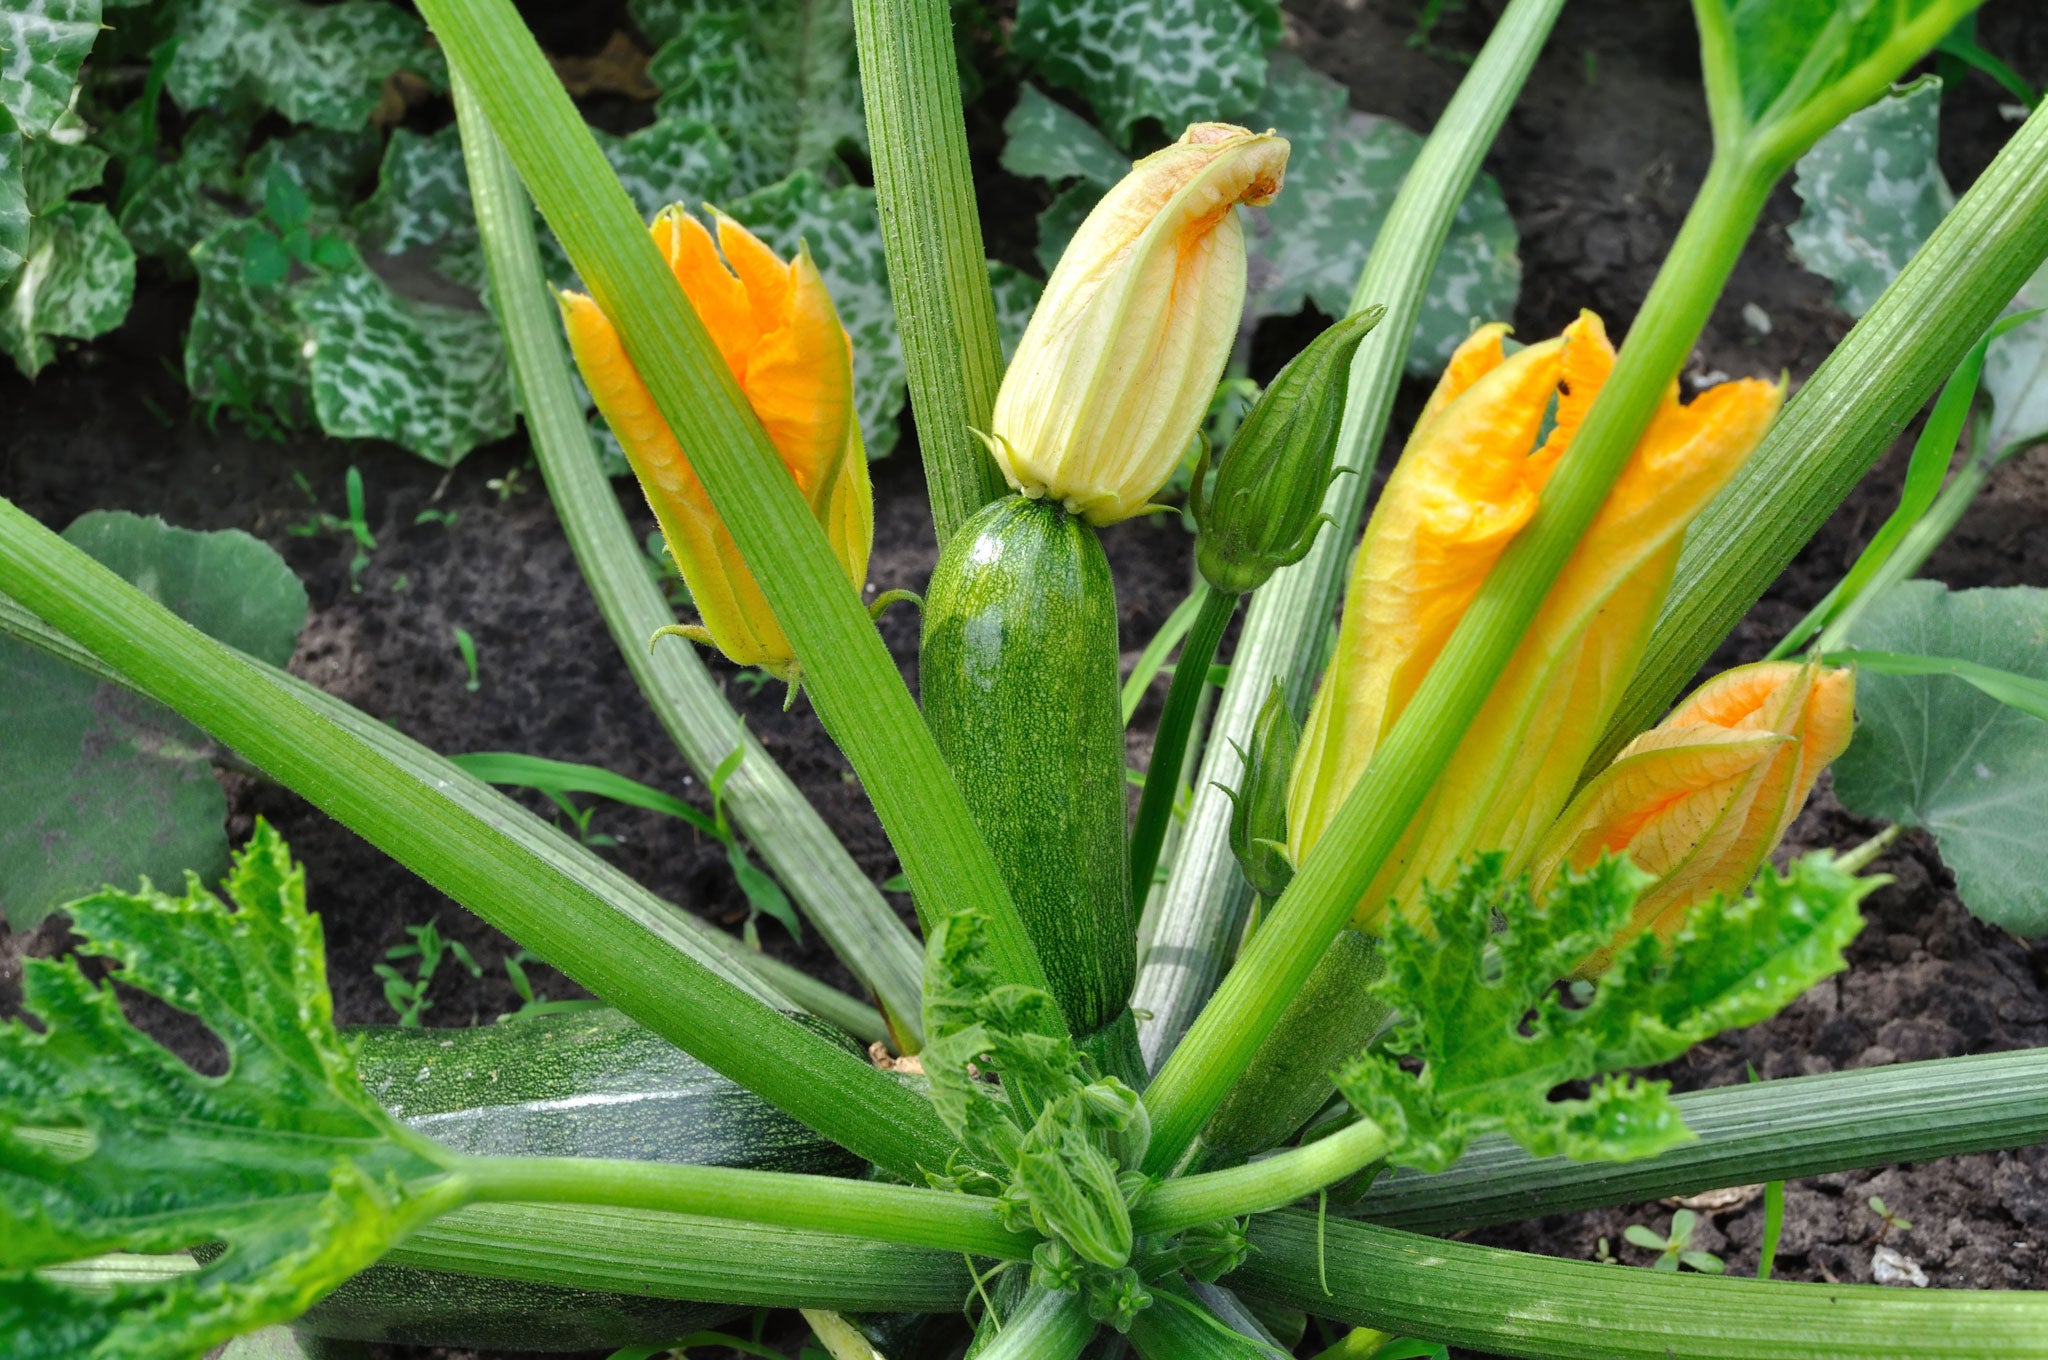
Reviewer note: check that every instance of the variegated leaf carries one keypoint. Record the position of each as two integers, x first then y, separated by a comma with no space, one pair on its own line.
245,349
42,45
318,64
13,204
76,280
1016,294
673,160
1173,61
2016,377
1047,140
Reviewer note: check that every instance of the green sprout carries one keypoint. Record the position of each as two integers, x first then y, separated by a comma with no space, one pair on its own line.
408,995
356,525
1675,1249
1888,1221
466,644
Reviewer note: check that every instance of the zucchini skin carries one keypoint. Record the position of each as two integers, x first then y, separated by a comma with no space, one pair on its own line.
587,1083
1019,676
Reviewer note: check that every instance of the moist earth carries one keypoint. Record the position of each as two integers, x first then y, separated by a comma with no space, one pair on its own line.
1597,162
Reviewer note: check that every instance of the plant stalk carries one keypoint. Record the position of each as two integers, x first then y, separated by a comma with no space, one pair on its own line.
1509,1303
1170,740
1843,418
1256,1187
906,1214
616,949
1335,875
1197,917
837,898
852,679
931,236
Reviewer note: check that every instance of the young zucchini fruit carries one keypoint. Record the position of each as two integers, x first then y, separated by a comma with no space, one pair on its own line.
584,1084
1019,674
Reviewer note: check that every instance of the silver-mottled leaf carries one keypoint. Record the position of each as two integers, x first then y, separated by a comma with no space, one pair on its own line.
97,785
1174,61
42,45
1061,219
2016,376
429,377
1873,192
1016,294
673,160
329,164
1048,140
422,203
1935,752
845,238
76,280
778,79
318,64
13,204
1342,175
60,163
245,349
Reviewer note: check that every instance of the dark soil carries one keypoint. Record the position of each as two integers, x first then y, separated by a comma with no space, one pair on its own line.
1597,162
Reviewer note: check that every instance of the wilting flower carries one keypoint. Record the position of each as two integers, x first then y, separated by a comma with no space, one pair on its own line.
1120,360
1700,800
774,324
1471,477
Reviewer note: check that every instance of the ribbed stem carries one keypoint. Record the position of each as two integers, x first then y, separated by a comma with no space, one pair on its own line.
1760,1131
1196,920
1045,1326
1170,741
1508,1303
837,898
1844,418
1270,1183
931,236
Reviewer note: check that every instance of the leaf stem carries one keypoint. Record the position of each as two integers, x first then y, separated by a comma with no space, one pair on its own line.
931,236
1170,741
906,1214
1256,1187
1335,875
1045,1326
848,910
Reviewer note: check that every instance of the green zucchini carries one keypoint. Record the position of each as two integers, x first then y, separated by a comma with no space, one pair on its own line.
585,1084
1019,674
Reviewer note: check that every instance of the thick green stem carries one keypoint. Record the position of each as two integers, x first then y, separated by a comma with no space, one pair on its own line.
1045,1326
1170,741
638,1251
1772,1130
847,909
1334,878
614,948
1256,1187
1195,921
1508,1303
848,673
907,1214
1843,418
931,235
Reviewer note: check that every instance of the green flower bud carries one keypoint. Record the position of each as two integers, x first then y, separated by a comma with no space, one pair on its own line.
1258,823
1268,500
1210,1251
1117,1297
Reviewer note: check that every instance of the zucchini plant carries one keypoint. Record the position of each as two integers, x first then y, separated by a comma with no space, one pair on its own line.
1492,883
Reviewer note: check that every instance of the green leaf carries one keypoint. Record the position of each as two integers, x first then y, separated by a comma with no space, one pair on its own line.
1342,175
42,45
429,377
114,1144
60,163
1173,61
13,204
1935,752
76,281
1061,219
562,776
1873,193
422,203
325,166
845,239
1786,53
674,160
245,349
97,785
318,64
1016,294
2016,377
1481,1012
778,80
1047,140
170,212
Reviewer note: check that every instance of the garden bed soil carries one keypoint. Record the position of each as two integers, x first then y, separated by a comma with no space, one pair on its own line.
1597,162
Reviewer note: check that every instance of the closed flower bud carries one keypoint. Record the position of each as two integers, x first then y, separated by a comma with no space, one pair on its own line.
1471,477
1258,818
1268,500
776,328
1700,800
1124,351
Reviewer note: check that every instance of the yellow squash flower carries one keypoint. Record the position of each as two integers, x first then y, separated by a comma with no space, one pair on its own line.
1123,353
1701,799
1471,477
775,326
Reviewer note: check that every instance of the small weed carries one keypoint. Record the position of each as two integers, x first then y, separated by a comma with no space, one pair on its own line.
752,679
283,237
764,894
408,995
1676,1249
579,819
507,486
444,518
532,1003
1604,1254
355,526
466,644
666,575
1423,38
1888,1222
